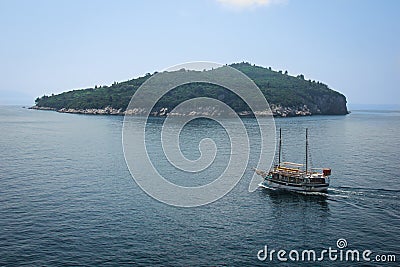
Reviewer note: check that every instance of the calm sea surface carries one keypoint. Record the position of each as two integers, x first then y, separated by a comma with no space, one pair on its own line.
67,197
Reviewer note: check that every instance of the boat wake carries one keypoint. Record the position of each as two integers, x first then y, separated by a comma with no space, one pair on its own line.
346,192
365,192
267,187
369,189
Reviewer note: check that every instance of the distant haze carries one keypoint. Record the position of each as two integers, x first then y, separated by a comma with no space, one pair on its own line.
54,46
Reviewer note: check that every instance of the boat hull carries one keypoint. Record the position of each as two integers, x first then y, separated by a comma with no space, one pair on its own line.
296,187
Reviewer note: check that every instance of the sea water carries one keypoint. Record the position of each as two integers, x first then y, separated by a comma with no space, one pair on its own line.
67,197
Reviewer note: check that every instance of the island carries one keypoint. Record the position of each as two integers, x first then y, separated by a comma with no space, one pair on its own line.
287,95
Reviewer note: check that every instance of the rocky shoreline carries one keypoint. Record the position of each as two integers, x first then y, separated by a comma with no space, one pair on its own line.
277,111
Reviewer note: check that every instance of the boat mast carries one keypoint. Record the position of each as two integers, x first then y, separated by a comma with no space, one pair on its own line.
306,150
280,146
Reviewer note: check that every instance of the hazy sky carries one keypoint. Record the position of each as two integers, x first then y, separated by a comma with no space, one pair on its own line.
53,46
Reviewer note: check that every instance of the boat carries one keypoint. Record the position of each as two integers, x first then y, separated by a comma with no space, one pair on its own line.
294,176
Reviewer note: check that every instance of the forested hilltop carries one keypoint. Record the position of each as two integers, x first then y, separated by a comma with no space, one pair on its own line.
287,95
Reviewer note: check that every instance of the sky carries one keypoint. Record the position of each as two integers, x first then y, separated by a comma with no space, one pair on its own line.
53,46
